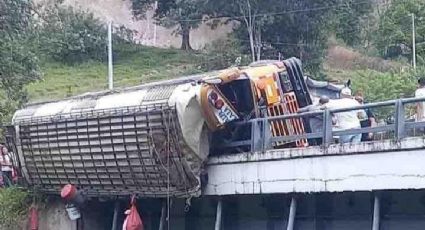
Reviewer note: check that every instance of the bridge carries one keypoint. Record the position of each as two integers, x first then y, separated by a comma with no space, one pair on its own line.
291,186
393,162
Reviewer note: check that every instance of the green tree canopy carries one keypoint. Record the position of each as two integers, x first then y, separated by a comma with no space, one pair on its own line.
349,20
18,62
394,37
291,28
70,35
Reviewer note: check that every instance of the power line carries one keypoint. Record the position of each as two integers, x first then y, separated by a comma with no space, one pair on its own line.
278,43
277,13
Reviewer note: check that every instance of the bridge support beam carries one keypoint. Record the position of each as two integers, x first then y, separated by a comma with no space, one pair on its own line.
218,215
376,213
115,217
163,219
292,211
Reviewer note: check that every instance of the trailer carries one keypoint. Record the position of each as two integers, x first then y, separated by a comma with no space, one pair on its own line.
154,139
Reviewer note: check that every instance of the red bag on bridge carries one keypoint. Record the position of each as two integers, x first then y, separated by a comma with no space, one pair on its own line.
134,222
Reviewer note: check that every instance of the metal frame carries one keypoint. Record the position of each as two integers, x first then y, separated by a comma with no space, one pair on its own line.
262,140
105,152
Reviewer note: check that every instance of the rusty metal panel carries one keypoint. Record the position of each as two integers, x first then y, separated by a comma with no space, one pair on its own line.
132,150
288,127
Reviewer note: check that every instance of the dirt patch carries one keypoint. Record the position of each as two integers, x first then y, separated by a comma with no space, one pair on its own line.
343,58
147,32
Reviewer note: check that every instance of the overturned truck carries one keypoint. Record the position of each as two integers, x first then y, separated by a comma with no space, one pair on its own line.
153,140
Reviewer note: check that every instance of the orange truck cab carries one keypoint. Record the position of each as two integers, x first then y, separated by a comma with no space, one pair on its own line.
263,89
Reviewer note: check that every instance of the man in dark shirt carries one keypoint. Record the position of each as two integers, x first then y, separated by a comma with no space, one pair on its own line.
369,121
315,122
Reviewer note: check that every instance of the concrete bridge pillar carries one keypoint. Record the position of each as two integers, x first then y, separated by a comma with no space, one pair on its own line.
376,213
218,215
292,211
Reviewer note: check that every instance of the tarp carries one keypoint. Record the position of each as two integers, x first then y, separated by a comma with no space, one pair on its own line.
319,88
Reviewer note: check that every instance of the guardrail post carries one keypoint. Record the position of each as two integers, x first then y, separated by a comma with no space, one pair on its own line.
266,134
256,137
327,127
399,121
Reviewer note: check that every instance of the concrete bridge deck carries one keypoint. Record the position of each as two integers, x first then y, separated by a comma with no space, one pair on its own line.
367,166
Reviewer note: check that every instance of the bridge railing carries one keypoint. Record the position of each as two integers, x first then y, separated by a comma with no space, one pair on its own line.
262,137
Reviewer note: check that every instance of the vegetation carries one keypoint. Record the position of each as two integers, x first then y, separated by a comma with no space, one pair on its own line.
71,44
71,36
394,37
133,65
184,15
273,28
14,203
378,86
18,60
350,22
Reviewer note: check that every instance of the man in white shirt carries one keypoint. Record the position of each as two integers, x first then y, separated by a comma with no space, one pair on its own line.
420,106
347,120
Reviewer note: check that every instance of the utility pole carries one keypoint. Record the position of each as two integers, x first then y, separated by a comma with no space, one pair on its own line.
110,69
154,25
413,41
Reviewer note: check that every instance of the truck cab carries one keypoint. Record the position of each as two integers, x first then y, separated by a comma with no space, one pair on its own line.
263,89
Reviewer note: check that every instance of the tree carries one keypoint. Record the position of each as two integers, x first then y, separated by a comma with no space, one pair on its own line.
397,85
292,27
251,15
394,37
183,15
18,61
69,35
349,20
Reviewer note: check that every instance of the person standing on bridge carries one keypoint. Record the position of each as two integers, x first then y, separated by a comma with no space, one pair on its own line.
315,122
368,121
420,106
347,120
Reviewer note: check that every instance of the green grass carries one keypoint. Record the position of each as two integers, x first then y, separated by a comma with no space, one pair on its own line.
133,65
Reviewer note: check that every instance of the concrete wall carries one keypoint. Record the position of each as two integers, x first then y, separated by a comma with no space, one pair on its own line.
96,216
54,216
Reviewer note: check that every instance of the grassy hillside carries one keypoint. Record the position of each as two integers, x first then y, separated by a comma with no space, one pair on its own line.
133,65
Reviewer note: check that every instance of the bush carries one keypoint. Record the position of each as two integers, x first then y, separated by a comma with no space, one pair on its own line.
72,36
377,86
14,204
223,53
